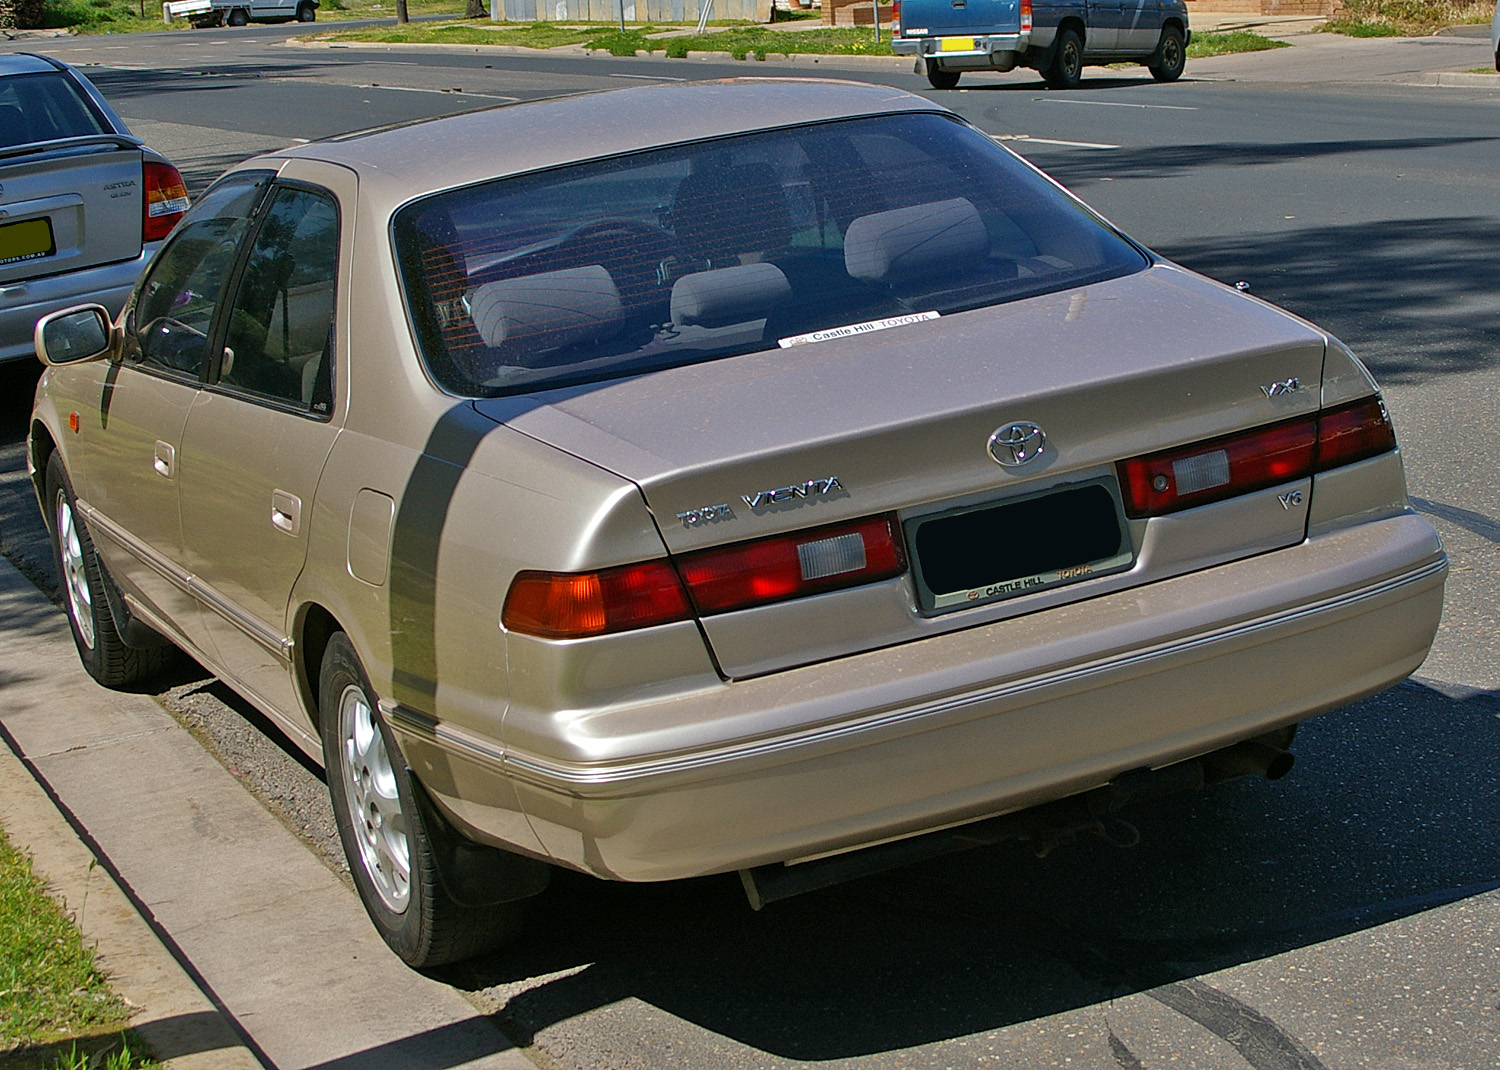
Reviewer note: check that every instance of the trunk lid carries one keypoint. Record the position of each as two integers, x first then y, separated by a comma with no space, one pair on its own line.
901,419
74,204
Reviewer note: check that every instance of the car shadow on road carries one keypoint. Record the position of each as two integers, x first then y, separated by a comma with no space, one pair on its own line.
1390,812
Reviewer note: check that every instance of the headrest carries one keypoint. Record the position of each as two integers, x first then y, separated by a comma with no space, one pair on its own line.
729,295
534,313
942,237
725,211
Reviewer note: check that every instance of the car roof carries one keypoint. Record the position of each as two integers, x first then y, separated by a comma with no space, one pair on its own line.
13,63
397,164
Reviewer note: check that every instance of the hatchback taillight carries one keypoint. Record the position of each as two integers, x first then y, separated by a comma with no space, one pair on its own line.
1250,460
166,199
574,605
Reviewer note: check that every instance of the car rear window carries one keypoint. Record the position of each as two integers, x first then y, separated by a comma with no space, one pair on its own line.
44,107
692,253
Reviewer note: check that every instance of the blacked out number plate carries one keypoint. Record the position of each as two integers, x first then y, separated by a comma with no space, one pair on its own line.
29,239
1000,550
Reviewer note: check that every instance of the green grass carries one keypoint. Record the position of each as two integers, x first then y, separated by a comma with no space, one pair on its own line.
57,1011
1406,18
124,16
1224,44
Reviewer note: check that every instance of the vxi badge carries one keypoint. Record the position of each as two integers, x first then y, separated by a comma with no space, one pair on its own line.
1016,444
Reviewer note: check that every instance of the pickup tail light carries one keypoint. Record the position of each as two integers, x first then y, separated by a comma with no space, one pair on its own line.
1237,464
166,199
575,605
1025,16
896,17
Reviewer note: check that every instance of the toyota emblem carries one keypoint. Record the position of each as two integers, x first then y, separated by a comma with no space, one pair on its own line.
1017,444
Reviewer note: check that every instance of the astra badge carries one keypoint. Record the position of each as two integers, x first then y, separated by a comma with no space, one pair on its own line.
1017,444
813,488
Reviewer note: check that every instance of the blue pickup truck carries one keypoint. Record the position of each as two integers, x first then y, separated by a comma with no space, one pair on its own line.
1056,37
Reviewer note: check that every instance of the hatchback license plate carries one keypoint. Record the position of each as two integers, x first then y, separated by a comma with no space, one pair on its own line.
30,239
1004,549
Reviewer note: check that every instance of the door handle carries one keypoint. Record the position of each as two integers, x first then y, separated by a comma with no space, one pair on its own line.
166,459
286,512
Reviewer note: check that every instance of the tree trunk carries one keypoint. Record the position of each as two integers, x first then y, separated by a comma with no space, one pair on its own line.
401,18
477,9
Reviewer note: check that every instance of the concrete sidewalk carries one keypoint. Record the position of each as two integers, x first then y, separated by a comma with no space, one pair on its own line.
240,947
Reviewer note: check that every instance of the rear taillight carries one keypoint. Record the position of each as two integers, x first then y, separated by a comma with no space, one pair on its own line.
790,566
1025,16
166,199
896,17
1354,432
574,605
1238,464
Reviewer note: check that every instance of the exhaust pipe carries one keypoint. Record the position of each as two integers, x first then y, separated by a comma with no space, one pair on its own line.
1252,757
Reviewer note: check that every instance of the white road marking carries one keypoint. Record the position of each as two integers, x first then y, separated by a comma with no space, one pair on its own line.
1052,141
651,77
447,92
1115,104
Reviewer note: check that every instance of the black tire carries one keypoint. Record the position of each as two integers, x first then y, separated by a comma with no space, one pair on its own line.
81,582
238,17
939,78
426,926
1066,69
306,13
1170,58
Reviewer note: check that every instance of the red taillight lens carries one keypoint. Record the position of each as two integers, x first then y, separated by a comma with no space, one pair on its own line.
1354,432
572,605
1219,468
166,199
1238,464
896,17
789,566
1025,16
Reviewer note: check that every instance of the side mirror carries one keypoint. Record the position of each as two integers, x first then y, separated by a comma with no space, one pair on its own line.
73,335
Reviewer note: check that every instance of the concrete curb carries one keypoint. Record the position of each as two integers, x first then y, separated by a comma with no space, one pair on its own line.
273,939
172,1015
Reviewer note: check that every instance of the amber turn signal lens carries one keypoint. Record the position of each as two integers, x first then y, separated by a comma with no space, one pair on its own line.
574,605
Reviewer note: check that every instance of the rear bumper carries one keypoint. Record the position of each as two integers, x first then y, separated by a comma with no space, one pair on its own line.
987,45
972,723
23,303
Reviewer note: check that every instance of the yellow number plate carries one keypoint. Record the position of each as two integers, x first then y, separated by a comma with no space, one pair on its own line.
29,239
958,44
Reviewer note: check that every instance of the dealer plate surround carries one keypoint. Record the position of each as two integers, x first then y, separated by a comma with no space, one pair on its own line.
1018,545
26,239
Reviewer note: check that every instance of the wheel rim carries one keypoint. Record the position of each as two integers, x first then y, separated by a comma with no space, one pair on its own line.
378,819
1172,54
75,574
1072,61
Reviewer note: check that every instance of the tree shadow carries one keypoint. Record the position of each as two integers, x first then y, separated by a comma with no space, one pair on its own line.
1377,285
1390,812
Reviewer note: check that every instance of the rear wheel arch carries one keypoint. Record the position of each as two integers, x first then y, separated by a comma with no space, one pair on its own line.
1077,26
315,627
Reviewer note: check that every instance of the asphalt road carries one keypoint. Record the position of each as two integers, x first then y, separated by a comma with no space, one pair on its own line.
1348,916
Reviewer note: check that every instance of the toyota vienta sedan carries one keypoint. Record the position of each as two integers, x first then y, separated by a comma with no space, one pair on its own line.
761,476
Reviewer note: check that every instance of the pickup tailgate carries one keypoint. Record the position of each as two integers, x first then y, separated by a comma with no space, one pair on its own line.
940,18
68,205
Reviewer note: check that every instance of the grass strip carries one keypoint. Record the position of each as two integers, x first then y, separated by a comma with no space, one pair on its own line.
739,41
144,16
1224,44
1406,18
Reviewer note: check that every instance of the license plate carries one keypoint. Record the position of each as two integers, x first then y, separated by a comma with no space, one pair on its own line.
956,44
1017,546
30,239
